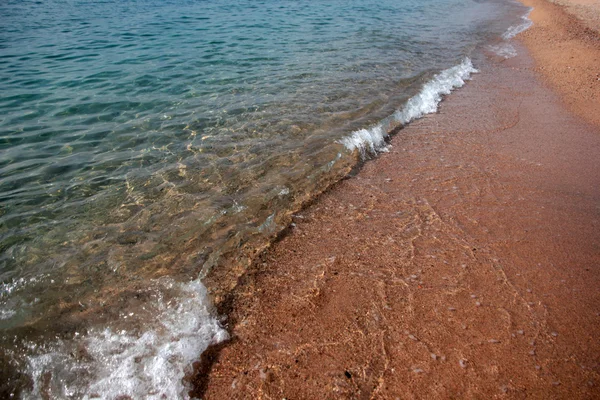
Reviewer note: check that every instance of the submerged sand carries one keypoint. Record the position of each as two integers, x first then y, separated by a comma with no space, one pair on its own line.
464,263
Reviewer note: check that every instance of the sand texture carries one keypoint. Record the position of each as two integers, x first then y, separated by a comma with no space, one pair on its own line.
464,263
587,11
567,55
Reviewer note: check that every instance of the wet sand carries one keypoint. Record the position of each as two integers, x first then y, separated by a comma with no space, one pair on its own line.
464,263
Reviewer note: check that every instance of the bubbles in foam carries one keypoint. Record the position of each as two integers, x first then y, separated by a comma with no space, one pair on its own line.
151,364
516,29
10,305
505,50
367,141
6,313
429,97
370,141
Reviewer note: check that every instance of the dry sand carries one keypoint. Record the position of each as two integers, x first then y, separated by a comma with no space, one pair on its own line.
567,53
587,11
464,263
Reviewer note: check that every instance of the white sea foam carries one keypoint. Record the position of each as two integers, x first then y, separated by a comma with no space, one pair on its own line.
367,141
504,49
149,364
429,97
6,313
516,29
9,304
373,140
6,289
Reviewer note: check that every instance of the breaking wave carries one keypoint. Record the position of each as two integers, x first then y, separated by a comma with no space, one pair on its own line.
516,29
370,141
150,363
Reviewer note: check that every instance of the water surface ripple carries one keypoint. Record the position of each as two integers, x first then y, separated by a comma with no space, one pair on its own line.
146,139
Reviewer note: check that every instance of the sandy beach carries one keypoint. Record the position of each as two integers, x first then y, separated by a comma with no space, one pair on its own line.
463,263
566,50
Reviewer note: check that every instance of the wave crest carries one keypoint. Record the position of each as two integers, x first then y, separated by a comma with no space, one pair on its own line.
370,141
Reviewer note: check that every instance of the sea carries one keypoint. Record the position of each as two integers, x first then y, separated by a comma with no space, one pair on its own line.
150,149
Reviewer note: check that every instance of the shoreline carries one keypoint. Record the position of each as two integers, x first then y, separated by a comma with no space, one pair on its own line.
459,264
104,311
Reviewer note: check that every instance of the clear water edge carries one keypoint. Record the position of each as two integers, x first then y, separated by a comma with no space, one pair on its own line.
335,163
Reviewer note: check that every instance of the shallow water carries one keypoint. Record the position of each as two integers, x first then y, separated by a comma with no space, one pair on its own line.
142,140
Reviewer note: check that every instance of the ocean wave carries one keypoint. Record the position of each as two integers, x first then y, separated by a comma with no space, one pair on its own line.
516,29
123,364
370,141
505,49
428,99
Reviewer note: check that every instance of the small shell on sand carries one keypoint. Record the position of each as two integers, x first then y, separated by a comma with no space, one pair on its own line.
462,363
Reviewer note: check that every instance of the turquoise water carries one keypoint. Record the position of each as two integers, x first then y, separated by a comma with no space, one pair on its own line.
144,144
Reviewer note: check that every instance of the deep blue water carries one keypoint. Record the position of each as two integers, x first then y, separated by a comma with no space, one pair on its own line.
148,139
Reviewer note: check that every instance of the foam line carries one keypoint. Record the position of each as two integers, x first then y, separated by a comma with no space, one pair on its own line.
427,101
367,141
149,364
370,141
516,29
505,49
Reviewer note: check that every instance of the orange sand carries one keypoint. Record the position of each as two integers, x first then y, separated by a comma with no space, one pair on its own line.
567,53
464,263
